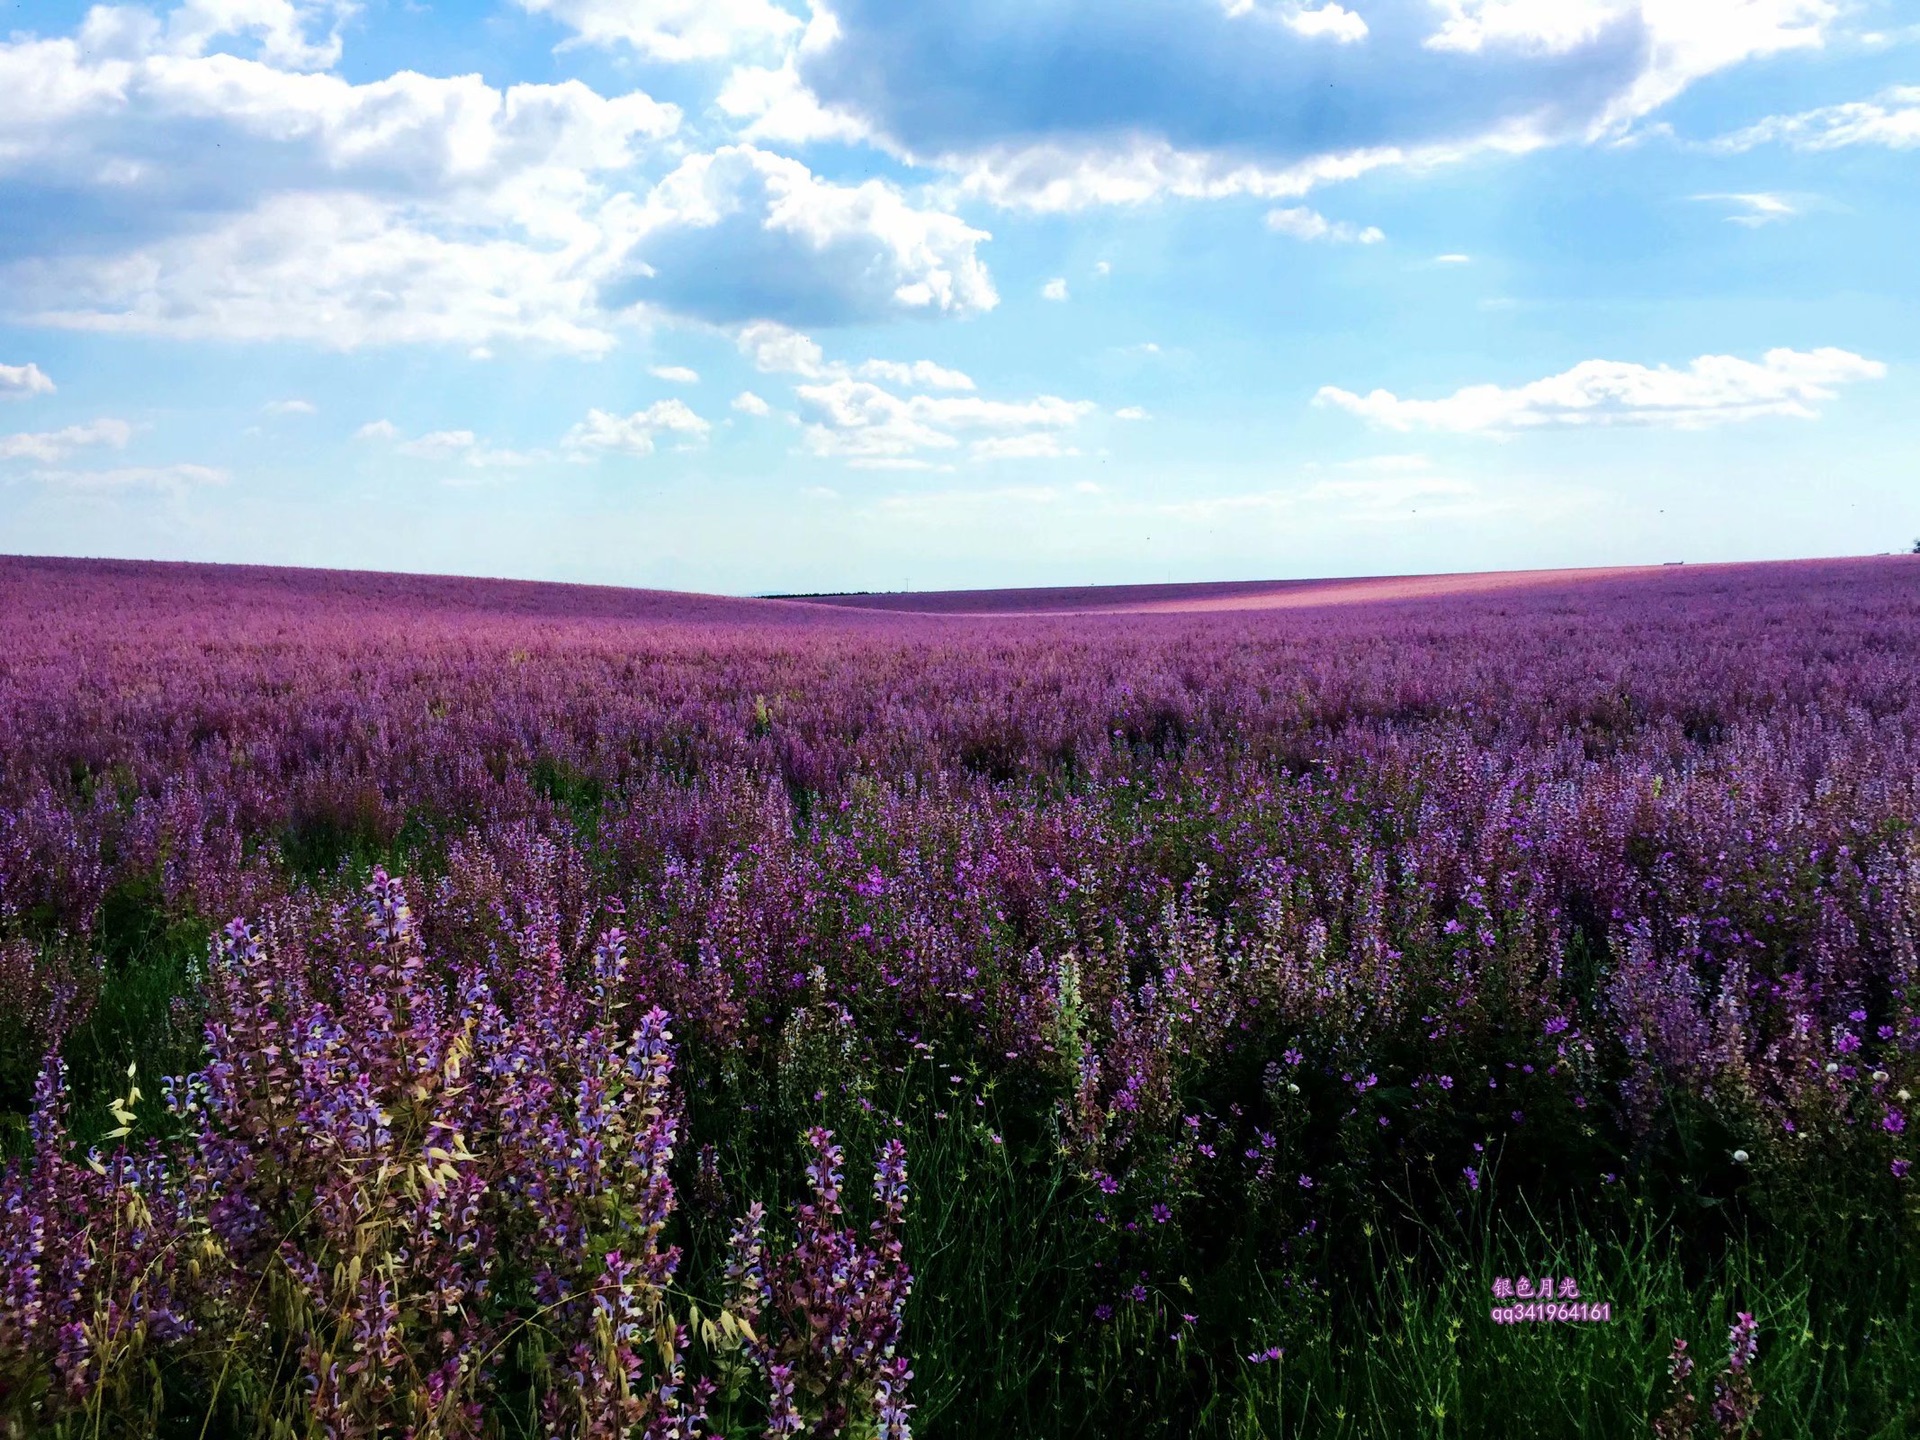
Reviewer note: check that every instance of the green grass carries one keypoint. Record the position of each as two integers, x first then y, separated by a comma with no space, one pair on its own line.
1395,1343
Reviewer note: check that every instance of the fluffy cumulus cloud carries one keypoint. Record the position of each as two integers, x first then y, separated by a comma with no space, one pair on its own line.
1891,119
1713,390
52,446
865,423
123,119
1304,224
743,234
772,103
256,201
201,174
1084,103
18,381
896,414
918,374
636,434
1332,22
777,350
1681,40
338,270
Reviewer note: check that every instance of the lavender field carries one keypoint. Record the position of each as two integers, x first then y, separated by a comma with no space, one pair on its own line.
442,1008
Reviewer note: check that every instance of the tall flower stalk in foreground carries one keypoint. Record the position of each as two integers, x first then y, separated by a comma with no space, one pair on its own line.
403,1192
1735,1401
829,1310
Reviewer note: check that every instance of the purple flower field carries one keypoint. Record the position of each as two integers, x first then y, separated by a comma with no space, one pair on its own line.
442,1007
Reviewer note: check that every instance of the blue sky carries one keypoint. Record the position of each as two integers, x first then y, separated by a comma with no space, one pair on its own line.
746,296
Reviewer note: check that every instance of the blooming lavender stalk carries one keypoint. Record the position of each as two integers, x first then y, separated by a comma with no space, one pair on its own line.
1735,1400
1682,1412
829,1311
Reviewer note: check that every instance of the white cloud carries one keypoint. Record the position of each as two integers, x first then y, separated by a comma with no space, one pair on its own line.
96,117
776,350
1329,21
291,407
779,108
1304,224
674,374
916,375
1201,101
1453,259
1892,119
676,30
1059,176
1542,26
167,479
1054,289
1055,176
1102,267
634,434
339,271
52,446
712,231
17,381
415,209
857,420
748,403
262,203
280,27
1756,208
1713,390
378,430
1130,412
1681,41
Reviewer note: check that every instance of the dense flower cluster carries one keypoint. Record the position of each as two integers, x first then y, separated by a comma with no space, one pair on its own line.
1250,909
407,1184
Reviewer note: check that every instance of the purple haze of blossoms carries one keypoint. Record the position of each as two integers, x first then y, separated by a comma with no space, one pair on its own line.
1121,853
